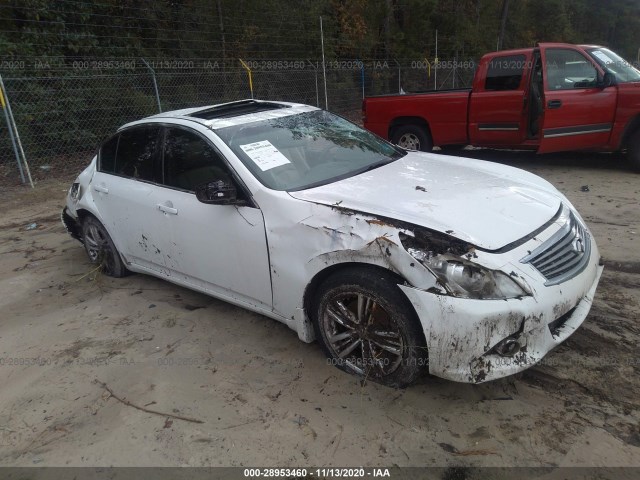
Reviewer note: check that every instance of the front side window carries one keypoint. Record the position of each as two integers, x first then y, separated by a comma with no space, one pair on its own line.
569,69
136,153
294,152
505,73
189,160
616,65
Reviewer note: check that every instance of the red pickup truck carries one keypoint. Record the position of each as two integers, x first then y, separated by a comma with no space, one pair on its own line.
550,98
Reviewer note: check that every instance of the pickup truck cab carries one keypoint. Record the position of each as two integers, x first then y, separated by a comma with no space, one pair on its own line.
551,98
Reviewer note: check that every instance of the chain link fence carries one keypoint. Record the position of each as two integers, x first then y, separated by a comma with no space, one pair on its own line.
62,114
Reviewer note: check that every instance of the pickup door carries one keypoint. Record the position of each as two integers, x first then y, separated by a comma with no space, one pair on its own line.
498,105
577,114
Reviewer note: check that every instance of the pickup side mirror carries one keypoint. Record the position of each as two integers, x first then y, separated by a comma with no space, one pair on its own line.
607,80
217,192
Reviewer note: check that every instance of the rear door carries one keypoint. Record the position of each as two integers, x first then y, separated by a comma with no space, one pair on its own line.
577,114
124,193
498,106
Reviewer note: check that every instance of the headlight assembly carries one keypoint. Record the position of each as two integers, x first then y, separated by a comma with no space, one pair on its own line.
459,277
74,191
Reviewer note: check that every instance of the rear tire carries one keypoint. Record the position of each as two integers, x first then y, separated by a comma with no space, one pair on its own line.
366,326
412,137
633,151
101,249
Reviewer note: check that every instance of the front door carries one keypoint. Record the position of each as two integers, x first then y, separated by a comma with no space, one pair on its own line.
577,113
218,248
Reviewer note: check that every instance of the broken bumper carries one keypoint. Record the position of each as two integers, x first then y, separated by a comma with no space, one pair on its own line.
462,334
71,224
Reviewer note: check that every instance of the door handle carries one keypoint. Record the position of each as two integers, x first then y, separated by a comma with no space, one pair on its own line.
100,188
167,209
554,103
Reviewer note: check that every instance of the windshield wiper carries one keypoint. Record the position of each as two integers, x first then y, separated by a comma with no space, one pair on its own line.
337,178
373,166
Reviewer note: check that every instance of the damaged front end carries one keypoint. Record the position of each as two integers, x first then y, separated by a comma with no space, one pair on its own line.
449,260
483,324
480,322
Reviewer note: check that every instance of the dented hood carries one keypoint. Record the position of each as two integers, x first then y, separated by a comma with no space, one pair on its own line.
486,204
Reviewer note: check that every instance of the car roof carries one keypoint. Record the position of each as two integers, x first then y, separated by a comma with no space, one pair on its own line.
228,114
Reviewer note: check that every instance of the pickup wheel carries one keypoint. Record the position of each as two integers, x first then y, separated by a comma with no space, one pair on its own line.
412,137
633,151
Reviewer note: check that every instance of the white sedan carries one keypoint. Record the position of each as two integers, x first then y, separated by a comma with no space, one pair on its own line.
393,260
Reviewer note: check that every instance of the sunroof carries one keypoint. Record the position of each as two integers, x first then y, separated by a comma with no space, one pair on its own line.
236,109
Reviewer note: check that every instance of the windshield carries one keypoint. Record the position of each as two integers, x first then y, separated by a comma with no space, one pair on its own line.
307,149
615,64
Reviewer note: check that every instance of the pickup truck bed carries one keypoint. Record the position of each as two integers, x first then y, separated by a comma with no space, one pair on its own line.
393,111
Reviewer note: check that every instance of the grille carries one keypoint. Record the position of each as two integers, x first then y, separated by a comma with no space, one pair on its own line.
564,255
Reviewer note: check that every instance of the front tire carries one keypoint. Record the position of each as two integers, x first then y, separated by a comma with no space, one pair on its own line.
100,248
367,327
412,137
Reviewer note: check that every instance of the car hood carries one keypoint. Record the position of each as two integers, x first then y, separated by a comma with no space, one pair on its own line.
486,204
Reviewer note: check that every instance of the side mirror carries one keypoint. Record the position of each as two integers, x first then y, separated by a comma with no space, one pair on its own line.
218,192
607,80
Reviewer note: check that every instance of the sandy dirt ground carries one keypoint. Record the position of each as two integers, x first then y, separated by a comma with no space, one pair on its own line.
266,399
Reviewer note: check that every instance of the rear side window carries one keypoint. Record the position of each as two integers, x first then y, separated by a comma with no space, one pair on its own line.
108,155
505,73
136,152
189,161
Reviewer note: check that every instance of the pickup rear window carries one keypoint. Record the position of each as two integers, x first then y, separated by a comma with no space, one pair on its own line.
505,73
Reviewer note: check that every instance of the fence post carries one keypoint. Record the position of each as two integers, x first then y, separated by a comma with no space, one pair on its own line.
13,139
15,128
315,71
324,70
317,89
250,77
155,84
362,77
435,71
399,76
455,69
